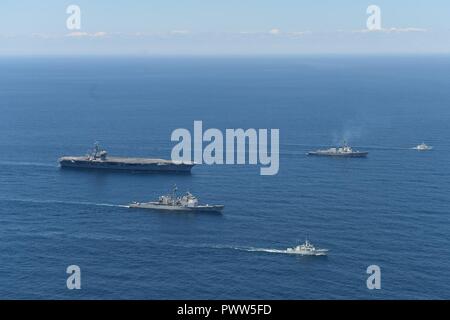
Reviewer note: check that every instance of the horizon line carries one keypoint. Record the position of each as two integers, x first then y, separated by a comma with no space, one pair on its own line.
249,54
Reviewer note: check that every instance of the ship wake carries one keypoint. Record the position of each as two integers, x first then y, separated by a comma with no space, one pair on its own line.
267,250
28,164
66,202
252,249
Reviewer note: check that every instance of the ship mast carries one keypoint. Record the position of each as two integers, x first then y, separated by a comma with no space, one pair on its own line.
96,149
174,193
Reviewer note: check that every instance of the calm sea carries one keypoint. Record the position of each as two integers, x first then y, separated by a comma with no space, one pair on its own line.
391,209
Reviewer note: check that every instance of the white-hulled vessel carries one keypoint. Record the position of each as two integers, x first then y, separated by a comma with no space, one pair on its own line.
186,203
423,147
307,249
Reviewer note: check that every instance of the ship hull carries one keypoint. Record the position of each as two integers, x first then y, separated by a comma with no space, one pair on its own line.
307,253
160,207
423,149
147,165
339,155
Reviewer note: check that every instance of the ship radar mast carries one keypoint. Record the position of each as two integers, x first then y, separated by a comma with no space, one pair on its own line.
97,152
174,191
96,149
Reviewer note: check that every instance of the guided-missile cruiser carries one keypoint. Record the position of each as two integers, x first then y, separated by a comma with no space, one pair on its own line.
172,202
99,159
344,151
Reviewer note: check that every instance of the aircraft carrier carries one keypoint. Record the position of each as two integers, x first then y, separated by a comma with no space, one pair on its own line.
99,159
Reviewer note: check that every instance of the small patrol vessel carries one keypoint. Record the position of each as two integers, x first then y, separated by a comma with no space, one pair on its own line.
172,202
423,147
307,249
98,159
344,151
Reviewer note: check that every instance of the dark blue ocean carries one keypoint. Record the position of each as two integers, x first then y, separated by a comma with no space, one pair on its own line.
391,209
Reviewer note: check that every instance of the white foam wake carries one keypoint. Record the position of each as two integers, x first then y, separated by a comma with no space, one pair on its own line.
268,250
251,249
263,250
31,164
66,202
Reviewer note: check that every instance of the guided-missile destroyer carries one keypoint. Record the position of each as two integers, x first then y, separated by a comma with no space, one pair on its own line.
99,159
344,151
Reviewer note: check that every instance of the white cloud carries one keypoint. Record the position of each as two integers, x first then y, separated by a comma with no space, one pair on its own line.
406,30
99,34
299,33
42,36
78,34
180,32
391,30
274,31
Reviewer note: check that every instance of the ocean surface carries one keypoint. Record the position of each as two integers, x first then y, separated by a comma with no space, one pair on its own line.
391,209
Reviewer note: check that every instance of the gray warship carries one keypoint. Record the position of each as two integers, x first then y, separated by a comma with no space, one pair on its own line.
172,202
99,159
307,249
344,151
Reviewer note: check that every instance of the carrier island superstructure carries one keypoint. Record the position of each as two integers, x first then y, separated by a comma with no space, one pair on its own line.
99,159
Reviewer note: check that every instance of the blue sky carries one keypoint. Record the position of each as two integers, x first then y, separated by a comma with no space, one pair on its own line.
221,27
